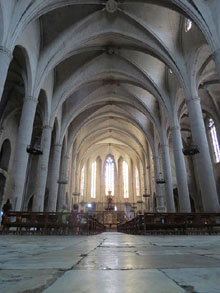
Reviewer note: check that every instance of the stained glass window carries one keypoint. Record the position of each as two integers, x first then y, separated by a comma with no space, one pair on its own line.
125,179
214,138
93,181
188,24
109,176
137,182
82,185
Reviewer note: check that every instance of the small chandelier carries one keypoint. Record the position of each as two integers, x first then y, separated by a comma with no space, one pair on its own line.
191,149
35,149
146,194
160,180
75,193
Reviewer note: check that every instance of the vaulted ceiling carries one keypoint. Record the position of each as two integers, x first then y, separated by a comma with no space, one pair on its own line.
117,68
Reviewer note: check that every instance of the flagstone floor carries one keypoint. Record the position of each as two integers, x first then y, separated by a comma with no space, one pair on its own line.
109,263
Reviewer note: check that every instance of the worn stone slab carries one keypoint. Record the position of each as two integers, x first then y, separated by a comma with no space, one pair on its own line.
202,280
52,262
115,262
144,281
20,281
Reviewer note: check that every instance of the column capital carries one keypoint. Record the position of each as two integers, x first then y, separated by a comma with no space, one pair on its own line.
175,127
193,99
6,51
216,52
47,127
63,181
57,145
164,145
66,157
30,99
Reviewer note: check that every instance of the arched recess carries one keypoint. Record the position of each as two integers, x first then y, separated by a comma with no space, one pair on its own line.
15,85
218,187
30,204
2,187
5,155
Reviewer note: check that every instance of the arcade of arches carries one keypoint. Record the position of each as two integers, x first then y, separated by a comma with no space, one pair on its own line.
101,97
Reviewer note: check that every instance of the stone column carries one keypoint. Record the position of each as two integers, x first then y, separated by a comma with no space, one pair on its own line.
21,155
120,182
55,169
71,182
1,133
181,175
42,169
63,181
146,203
203,159
168,177
216,57
5,59
159,191
148,179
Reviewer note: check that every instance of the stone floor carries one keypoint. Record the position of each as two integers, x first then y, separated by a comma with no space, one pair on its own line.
110,262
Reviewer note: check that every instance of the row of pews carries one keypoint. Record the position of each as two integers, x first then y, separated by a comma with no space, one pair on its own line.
172,223
51,223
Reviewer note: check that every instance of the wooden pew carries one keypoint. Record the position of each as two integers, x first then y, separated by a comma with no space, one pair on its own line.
51,223
173,223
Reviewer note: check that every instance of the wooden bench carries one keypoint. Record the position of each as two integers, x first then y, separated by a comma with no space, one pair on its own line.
51,223
173,223
133,226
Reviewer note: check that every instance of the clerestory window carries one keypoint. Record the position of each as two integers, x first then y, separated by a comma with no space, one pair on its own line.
137,180
214,140
188,24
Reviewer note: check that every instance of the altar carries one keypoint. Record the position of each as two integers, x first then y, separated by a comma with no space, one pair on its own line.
110,218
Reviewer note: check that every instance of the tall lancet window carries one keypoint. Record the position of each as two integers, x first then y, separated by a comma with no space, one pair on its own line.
214,138
188,25
93,180
137,180
109,176
125,179
82,183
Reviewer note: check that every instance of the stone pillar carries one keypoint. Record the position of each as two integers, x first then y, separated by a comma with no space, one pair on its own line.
72,182
159,191
63,181
55,169
181,175
148,179
216,57
42,169
120,182
168,177
1,133
102,184
21,155
5,59
146,204
203,159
